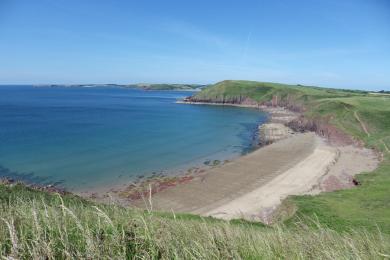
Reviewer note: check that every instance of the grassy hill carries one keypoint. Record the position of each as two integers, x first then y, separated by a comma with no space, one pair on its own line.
345,224
230,90
169,86
366,118
144,86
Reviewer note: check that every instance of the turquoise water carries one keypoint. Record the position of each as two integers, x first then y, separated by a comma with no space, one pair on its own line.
82,138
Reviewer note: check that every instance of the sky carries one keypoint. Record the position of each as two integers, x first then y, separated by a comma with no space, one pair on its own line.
332,43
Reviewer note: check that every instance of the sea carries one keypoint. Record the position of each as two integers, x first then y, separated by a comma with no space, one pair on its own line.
82,138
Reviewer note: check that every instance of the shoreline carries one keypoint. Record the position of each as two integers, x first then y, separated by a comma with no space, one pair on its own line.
133,190
326,166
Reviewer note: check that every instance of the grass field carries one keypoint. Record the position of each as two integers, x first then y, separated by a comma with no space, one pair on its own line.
367,205
231,90
348,224
36,225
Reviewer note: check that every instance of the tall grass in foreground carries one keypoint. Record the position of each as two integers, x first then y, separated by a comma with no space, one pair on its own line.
36,225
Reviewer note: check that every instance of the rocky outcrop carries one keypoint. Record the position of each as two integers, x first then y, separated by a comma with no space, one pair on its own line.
273,132
243,100
237,100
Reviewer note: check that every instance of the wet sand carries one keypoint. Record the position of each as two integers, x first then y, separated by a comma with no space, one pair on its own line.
225,183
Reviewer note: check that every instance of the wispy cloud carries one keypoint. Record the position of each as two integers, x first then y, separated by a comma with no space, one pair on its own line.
195,33
246,46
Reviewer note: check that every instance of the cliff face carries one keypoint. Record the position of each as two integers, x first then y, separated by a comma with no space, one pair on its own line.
300,99
323,128
239,100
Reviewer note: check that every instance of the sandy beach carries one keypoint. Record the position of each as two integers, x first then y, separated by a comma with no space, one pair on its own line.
299,179
254,185
224,183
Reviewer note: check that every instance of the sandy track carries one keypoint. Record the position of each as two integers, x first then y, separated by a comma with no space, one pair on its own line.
362,124
299,179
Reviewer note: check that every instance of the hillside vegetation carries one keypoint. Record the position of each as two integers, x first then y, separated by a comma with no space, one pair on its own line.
235,91
348,224
36,225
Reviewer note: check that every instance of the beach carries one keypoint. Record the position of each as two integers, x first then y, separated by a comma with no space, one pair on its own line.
254,185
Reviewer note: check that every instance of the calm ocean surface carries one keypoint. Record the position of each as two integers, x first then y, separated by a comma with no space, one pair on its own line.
89,137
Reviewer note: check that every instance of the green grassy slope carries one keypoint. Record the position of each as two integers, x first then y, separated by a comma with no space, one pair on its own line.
38,225
233,90
367,205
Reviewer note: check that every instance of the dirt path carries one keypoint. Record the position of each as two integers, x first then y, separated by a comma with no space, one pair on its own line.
361,123
387,148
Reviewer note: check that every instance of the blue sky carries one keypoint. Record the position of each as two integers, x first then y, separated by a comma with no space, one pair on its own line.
327,43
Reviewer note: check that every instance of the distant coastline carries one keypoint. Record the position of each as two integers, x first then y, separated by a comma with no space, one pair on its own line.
144,86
